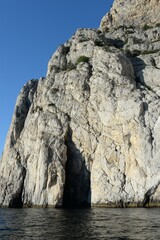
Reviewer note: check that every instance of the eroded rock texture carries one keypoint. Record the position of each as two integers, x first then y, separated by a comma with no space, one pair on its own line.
89,133
132,13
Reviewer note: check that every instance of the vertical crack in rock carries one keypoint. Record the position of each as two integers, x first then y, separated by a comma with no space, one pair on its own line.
77,191
149,194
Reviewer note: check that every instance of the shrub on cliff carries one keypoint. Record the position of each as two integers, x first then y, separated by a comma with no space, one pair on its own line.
82,59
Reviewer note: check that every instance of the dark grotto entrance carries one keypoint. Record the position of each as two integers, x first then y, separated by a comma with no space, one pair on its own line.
16,199
77,192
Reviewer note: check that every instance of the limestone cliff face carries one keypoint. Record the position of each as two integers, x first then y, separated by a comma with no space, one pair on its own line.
88,133
132,13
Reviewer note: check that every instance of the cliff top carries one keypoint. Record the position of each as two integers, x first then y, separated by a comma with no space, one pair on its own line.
132,13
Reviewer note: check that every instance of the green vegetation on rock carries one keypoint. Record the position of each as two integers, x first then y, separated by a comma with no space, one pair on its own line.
82,59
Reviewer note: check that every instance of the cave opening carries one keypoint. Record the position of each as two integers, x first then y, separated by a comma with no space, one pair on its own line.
16,200
77,191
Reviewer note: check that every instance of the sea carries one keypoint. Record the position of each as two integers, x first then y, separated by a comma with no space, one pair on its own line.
68,224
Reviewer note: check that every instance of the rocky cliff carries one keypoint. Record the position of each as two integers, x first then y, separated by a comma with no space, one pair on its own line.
89,132
132,13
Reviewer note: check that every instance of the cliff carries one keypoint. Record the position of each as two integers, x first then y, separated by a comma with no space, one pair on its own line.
132,13
88,133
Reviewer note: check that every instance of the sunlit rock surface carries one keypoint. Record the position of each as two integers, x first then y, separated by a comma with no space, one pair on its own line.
132,13
89,132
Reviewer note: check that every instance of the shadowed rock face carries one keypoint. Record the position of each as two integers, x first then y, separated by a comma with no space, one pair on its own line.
88,133
77,190
132,13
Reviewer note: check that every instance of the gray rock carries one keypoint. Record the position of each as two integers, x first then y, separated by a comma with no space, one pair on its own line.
132,13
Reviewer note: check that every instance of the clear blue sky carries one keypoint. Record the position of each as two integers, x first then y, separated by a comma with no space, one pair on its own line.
30,31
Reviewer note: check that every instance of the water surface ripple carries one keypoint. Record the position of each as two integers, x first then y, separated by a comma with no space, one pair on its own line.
67,224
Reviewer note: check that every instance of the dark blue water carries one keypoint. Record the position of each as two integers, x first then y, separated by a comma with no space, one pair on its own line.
96,223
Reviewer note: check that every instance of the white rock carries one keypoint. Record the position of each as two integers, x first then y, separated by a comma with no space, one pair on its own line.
88,133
